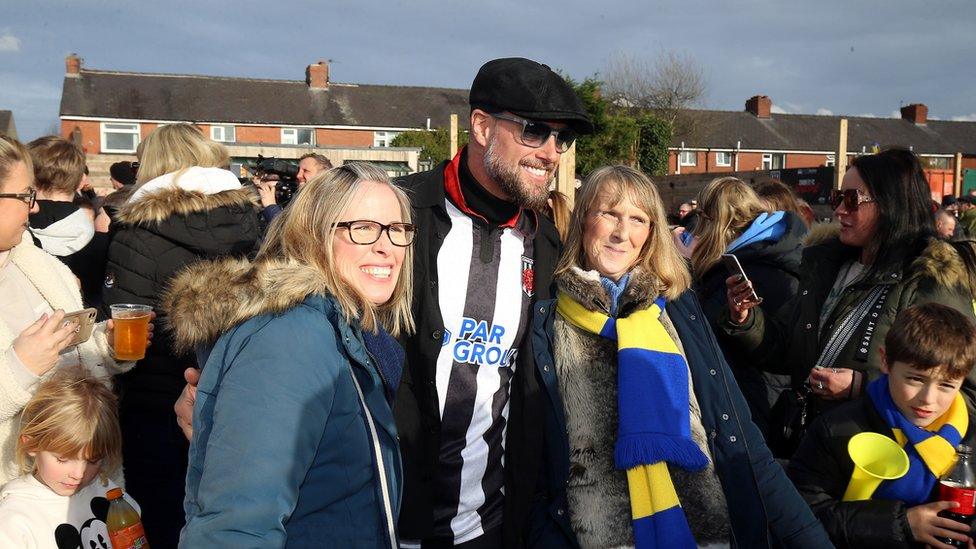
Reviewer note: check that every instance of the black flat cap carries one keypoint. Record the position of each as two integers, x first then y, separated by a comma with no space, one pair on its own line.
123,173
527,89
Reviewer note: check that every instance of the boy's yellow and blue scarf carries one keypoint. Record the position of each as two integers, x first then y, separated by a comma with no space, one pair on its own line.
654,418
931,451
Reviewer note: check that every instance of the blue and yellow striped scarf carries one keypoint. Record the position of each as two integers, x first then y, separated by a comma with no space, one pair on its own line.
932,450
654,418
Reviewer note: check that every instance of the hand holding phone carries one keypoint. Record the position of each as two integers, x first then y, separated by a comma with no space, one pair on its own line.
739,293
39,345
84,324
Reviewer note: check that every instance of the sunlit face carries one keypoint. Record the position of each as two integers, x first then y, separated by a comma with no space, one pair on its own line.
307,169
14,211
614,235
857,228
373,268
922,396
523,172
64,475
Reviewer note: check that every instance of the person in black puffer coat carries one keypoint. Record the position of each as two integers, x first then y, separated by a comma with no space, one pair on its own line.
184,208
768,245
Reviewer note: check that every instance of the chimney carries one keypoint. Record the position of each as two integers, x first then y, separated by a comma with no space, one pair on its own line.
72,66
317,76
759,106
916,113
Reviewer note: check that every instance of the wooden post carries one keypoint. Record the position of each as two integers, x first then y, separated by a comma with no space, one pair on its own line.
840,157
566,175
958,174
454,143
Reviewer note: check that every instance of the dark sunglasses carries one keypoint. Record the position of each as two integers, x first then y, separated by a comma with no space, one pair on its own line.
365,232
535,134
851,198
30,197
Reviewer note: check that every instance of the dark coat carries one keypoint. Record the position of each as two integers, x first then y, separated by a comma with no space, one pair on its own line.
788,343
289,450
774,269
417,412
822,467
764,508
154,238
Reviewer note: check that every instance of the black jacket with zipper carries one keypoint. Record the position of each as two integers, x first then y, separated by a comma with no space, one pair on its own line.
417,412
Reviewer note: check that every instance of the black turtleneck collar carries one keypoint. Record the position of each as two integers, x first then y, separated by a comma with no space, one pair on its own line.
492,208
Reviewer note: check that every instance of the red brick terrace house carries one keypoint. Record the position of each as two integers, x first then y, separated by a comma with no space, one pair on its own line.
757,139
109,112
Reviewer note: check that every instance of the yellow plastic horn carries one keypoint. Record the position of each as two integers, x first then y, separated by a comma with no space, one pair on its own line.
876,458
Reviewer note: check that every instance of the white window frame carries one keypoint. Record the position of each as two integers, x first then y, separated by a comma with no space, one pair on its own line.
767,161
728,161
292,138
683,158
132,130
383,138
223,130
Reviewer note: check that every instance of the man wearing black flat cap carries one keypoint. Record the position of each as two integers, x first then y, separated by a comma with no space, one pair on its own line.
470,406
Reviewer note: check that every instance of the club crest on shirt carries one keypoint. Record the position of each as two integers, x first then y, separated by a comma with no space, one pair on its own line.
528,275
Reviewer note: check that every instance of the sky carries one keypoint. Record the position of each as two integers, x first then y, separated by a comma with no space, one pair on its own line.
850,57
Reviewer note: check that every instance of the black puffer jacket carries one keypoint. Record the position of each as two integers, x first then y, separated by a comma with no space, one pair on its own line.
821,469
155,237
774,269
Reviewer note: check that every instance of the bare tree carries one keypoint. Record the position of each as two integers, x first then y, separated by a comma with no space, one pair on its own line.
669,84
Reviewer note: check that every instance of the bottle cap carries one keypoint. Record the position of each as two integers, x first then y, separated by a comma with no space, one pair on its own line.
114,493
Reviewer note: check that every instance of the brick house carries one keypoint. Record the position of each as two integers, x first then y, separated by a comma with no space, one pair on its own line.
757,139
108,113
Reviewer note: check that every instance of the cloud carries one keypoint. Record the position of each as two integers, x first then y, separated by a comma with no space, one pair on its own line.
9,42
776,109
824,112
867,115
965,118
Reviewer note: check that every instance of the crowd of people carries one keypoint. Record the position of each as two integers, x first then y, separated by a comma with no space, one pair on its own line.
464,358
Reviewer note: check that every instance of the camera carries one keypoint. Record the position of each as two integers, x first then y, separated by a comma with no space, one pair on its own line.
284,171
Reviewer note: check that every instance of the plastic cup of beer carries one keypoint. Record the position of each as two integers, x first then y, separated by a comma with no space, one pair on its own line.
131,330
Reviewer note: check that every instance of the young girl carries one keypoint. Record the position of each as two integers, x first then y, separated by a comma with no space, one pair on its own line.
69,442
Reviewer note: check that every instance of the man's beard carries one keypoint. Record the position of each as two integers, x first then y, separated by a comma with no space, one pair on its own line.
509,179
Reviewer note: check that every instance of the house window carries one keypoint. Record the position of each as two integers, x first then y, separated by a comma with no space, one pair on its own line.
723,159
383,139
831,161
297,136
773,161
119,138
688,158
224,134
935,163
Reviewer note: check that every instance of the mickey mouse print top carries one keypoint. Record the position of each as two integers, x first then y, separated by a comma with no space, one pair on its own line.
34,517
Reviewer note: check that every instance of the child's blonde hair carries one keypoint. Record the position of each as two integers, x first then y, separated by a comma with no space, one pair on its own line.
71,414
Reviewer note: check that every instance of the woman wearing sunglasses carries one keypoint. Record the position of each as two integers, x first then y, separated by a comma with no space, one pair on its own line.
294,441
885,258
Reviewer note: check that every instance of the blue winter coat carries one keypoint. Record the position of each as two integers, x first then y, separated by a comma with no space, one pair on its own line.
286,449
765,509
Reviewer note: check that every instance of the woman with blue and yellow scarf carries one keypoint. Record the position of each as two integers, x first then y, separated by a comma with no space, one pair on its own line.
649,440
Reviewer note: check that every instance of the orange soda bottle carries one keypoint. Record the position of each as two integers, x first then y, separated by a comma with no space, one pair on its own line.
124,525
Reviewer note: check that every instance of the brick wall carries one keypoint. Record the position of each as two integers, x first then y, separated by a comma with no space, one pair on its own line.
344,138
91,138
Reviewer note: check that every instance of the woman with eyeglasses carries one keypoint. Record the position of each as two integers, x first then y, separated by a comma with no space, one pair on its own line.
294,440
767,244
885,258
36,290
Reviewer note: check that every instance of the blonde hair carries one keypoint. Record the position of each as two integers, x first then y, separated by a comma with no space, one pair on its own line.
13,152
559,211
174,148
71,414
659,257
304,232
727,205
59,164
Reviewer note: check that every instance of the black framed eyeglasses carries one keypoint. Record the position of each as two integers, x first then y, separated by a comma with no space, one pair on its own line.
535,134
851,198
366,232
30,197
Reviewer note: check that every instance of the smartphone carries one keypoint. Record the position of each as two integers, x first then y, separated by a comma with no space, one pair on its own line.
84,321
734,267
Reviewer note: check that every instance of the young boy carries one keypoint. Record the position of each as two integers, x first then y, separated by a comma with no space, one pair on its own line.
928,352
69,442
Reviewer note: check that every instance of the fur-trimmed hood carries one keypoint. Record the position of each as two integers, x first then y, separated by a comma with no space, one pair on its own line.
585,287
158,206
209,297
